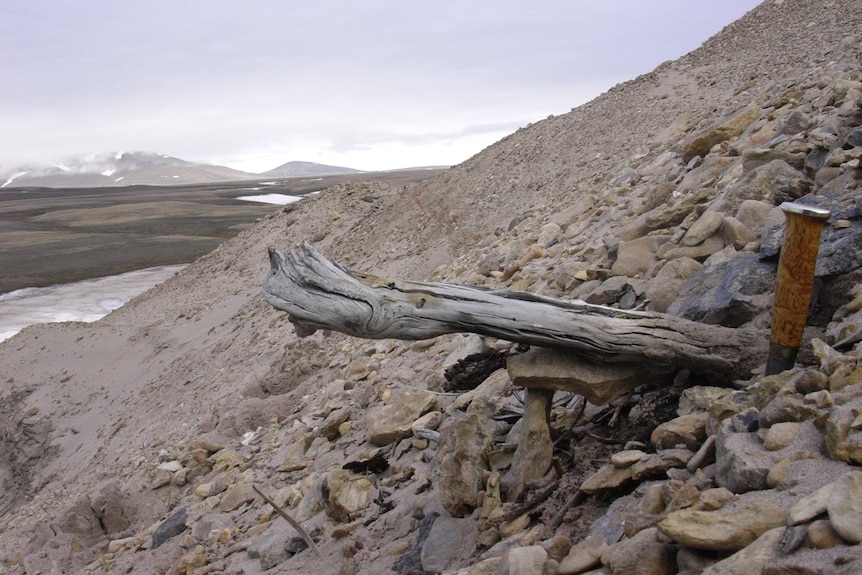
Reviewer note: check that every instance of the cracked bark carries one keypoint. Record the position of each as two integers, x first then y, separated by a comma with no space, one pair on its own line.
319,294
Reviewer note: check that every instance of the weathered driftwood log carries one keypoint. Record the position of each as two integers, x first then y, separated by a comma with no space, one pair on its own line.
319,294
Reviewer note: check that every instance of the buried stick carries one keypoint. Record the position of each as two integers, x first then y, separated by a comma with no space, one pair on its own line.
293,522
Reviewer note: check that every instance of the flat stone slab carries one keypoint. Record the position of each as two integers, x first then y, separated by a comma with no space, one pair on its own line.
600,384
722,530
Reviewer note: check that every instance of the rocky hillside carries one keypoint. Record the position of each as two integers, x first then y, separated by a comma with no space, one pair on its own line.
142,443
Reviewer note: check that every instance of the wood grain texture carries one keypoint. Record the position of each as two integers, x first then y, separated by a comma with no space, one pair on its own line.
319,294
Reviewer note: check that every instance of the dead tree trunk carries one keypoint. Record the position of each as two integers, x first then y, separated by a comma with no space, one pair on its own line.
319,294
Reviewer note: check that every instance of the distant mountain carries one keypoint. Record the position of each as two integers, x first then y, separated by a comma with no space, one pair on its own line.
119,169
306,169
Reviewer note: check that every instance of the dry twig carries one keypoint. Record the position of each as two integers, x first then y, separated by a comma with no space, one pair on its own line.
534,501
293,522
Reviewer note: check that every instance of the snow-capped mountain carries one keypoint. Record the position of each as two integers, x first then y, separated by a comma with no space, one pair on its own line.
118,169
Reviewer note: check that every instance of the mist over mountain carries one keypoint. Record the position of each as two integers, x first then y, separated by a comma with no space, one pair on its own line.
144,168
118,169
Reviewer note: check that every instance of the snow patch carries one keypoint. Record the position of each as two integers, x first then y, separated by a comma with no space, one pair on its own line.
13,177
87,300
277,199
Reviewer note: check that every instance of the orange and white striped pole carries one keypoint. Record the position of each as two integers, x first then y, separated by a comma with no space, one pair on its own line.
794,283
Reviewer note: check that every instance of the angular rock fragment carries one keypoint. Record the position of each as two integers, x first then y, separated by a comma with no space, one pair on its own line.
462,456
722,530
391,422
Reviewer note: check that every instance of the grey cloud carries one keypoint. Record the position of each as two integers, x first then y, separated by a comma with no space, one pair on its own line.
188,79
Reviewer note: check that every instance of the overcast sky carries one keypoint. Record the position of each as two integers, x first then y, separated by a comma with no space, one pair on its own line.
367,84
